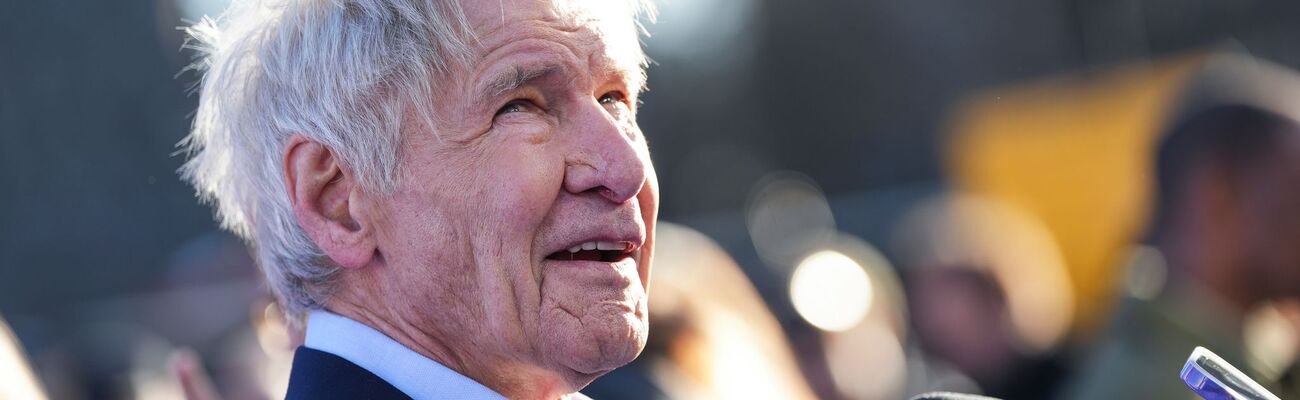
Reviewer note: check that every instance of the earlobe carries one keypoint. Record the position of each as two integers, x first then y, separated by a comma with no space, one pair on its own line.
322,192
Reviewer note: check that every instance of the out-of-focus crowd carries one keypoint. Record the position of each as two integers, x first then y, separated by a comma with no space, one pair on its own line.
1097,230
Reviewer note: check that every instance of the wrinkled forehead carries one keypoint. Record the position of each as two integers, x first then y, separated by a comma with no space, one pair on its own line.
609,24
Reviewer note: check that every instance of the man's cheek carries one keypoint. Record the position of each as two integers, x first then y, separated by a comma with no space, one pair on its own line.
524,193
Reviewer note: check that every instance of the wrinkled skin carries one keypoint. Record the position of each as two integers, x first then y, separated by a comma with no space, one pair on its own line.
454,263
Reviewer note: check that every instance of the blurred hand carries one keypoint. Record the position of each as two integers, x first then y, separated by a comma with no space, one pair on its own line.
188,368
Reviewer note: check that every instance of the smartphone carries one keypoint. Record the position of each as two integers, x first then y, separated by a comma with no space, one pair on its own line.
1214,379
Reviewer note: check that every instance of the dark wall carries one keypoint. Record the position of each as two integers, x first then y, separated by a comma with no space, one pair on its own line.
89,115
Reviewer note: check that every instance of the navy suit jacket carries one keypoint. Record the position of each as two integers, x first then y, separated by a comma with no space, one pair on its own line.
320,375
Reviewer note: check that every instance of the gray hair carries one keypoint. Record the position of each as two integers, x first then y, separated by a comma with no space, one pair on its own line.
345,73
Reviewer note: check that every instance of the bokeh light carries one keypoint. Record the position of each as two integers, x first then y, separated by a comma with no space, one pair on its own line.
1272,340
831,291
1146,273
788,217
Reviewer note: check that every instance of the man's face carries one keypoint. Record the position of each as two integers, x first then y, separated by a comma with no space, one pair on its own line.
535,152
1271,211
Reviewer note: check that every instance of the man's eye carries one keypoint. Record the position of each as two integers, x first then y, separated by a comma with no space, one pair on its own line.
513,106
611,98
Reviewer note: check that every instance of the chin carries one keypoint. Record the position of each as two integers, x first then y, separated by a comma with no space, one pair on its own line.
598,347
595,368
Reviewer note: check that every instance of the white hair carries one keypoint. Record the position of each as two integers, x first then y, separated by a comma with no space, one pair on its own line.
344,73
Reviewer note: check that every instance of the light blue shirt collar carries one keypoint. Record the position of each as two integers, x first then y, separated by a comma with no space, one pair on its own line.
408,371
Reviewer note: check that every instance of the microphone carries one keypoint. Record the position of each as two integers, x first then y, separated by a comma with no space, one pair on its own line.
1213,378
950,396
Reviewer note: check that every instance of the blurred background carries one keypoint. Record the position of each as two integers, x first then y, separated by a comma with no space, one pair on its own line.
869,199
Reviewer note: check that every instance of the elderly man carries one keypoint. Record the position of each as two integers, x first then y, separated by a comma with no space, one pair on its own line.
455,193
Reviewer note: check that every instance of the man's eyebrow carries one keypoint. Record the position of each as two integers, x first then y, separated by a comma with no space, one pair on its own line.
515,77
632,75
635,79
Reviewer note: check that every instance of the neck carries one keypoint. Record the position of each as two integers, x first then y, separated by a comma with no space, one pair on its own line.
510,378
430,346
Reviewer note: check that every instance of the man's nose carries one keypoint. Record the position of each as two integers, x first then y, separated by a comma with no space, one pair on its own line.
605,158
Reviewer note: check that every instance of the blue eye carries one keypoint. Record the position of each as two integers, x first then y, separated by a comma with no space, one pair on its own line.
611,98
513,106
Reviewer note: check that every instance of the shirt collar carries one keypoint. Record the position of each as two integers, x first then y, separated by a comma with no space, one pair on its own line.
408,371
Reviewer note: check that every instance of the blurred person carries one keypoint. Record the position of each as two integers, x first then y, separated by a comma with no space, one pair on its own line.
16,378
988,296
251,368
1226,232
215,310
252,363
195,382
119,347
714,337
456,194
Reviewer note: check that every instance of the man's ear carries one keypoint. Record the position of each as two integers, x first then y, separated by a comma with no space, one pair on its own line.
321,191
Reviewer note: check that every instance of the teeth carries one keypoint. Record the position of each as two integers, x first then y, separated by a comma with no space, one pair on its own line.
600,245
611,246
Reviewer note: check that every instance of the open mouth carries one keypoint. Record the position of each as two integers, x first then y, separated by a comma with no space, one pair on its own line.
594,251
